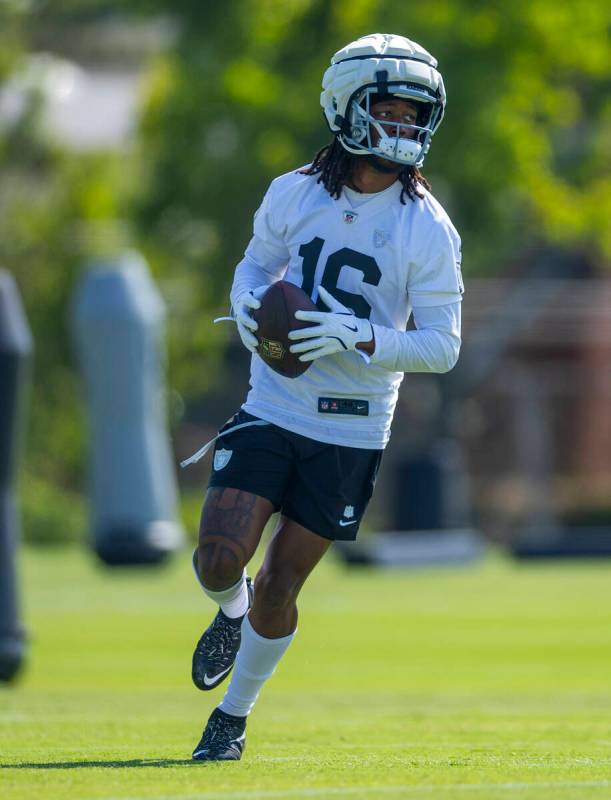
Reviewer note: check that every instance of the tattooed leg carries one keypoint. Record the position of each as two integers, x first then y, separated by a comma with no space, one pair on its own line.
230,529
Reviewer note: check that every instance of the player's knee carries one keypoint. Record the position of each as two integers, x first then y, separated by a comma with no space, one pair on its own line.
219,565
276,588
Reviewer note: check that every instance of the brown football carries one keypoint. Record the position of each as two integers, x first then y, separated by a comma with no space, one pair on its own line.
276,318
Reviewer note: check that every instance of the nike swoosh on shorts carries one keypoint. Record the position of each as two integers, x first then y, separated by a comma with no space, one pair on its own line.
344,522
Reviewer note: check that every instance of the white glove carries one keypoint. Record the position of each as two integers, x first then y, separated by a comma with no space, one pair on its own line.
244,305
338,330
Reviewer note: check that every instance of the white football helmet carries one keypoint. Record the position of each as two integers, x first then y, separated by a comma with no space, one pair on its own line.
383,64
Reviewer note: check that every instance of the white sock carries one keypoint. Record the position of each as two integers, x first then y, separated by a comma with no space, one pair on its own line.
256,661
233,601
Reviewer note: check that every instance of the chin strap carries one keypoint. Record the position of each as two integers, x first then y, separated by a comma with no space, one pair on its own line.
374,162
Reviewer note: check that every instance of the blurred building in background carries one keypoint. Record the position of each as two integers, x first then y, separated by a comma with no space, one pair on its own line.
90,85
538,426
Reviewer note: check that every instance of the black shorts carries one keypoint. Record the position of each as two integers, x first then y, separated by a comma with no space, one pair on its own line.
324,487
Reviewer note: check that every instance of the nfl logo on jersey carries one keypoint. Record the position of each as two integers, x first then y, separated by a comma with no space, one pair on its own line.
350,216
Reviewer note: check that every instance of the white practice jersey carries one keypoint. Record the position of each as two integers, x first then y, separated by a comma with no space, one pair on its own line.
377,256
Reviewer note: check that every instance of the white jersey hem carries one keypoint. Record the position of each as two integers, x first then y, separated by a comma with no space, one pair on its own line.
295,423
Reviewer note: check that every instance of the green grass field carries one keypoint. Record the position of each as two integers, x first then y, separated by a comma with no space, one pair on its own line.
493,681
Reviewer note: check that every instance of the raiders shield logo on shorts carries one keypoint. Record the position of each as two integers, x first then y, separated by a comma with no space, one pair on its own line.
221,458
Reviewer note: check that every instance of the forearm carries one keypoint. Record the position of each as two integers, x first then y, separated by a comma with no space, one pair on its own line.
434,347
250,275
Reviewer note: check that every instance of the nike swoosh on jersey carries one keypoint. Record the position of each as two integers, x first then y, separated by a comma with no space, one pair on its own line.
209,681
344,522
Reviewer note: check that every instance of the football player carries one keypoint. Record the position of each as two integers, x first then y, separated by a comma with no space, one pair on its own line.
360,232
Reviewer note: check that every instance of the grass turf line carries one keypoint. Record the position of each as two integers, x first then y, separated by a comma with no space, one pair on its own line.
490,681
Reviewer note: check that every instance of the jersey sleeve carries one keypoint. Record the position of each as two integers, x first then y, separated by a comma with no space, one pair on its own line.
267,246
435,278
267,255
435,289
433,347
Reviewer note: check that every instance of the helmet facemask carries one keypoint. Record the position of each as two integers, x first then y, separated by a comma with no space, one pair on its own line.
401,142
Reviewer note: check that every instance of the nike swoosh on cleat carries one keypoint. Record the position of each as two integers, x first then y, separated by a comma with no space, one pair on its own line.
209,681
344,522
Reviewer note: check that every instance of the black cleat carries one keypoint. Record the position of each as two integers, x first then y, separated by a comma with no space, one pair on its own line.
217,648
223,739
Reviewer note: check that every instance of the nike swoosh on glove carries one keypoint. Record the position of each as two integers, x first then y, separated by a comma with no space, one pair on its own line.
244,305
338,330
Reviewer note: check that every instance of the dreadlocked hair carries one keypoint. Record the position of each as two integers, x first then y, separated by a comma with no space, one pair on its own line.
334,165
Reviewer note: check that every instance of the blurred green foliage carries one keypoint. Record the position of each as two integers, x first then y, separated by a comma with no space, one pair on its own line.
51,514
522,158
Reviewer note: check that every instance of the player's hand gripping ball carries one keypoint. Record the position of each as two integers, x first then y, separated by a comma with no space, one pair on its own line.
337,330
275,319
246,303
